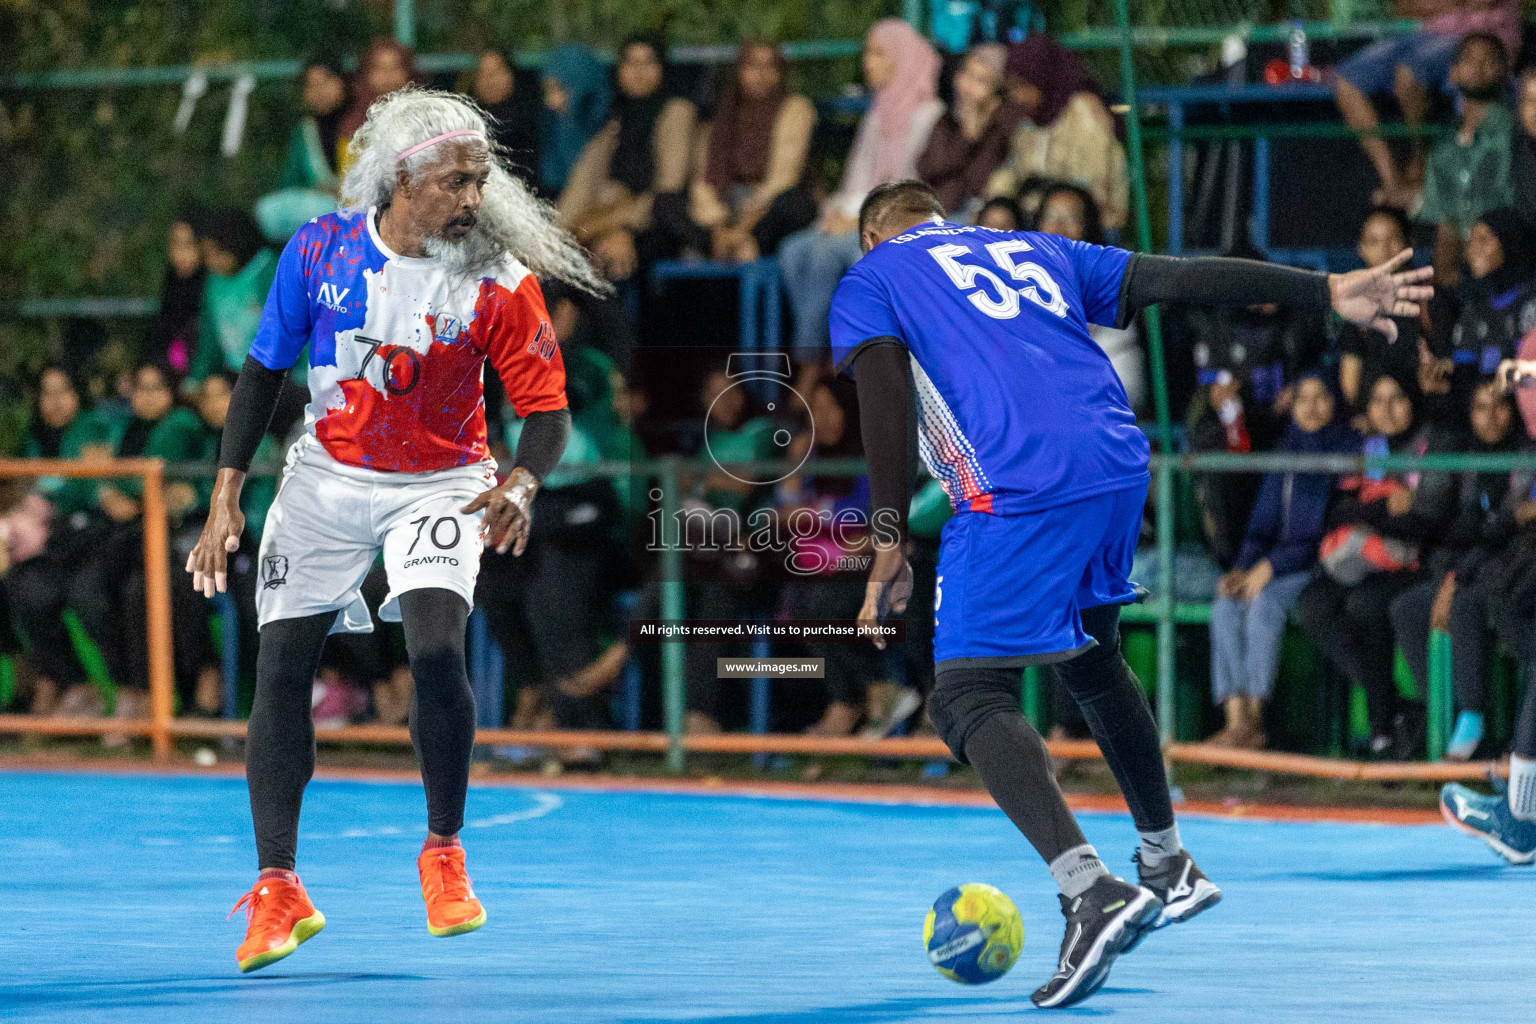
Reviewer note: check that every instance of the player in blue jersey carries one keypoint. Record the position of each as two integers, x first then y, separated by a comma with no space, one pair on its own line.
983,337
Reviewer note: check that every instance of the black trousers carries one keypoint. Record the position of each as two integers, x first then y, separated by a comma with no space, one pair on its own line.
1353,628
548,609
850,667
790,211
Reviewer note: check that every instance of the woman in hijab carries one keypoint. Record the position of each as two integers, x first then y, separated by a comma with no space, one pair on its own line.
643,152
1068,133
385,66
1378,527
902,70
971,139
1498,308
746,196
1278,552
171,336
575,106
514,114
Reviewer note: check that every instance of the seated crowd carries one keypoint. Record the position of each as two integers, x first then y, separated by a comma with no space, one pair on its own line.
642,170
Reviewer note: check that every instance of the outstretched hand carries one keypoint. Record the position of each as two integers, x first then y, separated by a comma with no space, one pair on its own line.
1372,297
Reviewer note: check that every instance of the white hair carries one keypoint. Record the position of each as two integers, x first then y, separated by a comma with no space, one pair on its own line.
512,219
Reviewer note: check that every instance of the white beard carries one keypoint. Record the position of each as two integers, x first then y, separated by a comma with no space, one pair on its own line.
476,253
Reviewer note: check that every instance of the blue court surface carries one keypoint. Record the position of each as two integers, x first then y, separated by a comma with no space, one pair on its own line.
636,906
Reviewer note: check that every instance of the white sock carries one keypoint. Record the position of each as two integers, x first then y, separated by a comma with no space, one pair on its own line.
1157,847
1077,869
1522,787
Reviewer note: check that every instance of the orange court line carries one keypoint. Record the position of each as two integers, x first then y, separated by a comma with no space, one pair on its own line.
841,792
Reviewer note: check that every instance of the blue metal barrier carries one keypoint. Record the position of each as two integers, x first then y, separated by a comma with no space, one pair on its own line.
228,611
759,291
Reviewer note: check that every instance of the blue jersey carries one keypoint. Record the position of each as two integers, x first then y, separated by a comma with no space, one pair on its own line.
1018,408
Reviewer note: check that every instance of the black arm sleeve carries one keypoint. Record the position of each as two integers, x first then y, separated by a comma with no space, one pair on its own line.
1216,281
884,378
542,441
250,413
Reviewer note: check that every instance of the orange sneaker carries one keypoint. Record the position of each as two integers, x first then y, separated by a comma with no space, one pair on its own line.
278,917
451,905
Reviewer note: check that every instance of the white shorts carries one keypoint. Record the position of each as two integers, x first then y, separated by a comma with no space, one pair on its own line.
330,521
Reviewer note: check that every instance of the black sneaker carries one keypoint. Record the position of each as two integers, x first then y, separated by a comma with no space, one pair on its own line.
1101,924
1180,884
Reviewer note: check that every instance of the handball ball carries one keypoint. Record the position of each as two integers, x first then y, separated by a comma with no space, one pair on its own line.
973,934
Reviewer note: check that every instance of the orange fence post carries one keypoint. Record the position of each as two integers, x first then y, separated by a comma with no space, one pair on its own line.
157,598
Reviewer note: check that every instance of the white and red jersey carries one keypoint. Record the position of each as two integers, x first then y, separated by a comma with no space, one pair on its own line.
398,346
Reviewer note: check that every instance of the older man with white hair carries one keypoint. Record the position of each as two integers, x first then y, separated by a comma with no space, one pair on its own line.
425,274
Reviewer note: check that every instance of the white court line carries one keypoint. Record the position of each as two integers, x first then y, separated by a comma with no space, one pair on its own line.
544,803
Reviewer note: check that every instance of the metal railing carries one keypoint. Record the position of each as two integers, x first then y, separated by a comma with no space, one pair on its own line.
668,473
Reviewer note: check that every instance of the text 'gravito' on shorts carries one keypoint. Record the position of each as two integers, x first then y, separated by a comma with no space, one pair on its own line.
1011,588
330,521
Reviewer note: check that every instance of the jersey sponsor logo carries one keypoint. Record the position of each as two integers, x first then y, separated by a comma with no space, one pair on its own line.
543,343
274,571
332,297
412,563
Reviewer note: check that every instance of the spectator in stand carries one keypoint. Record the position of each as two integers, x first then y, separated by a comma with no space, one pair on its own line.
1070,211
1491,509
42,575
643,152
575,87
314,152
1001,214
240,272
172,335
723,588
551,607
1246,362
1469,172
514,112
385,66
108,593
1414,68
820,588
969,142
1375,530
1497,297
1273,566
902,71
310,182
1068,133
747,196
1522,160
1367,354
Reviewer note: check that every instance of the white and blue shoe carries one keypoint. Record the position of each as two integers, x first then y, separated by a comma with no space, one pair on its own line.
1489,818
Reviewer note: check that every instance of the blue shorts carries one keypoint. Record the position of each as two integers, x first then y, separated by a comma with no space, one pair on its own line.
1373,69
1010,588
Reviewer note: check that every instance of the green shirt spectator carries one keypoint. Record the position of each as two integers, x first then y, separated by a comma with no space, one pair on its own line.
158,429
260,491
1466,181
1468,174
240,273
60,429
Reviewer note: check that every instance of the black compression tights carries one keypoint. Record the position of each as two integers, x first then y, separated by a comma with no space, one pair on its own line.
1117,713
280,748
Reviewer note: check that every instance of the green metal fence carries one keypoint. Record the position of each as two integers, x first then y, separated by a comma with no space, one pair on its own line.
1161,611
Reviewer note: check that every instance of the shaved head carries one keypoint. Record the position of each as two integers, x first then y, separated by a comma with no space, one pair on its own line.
895,207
